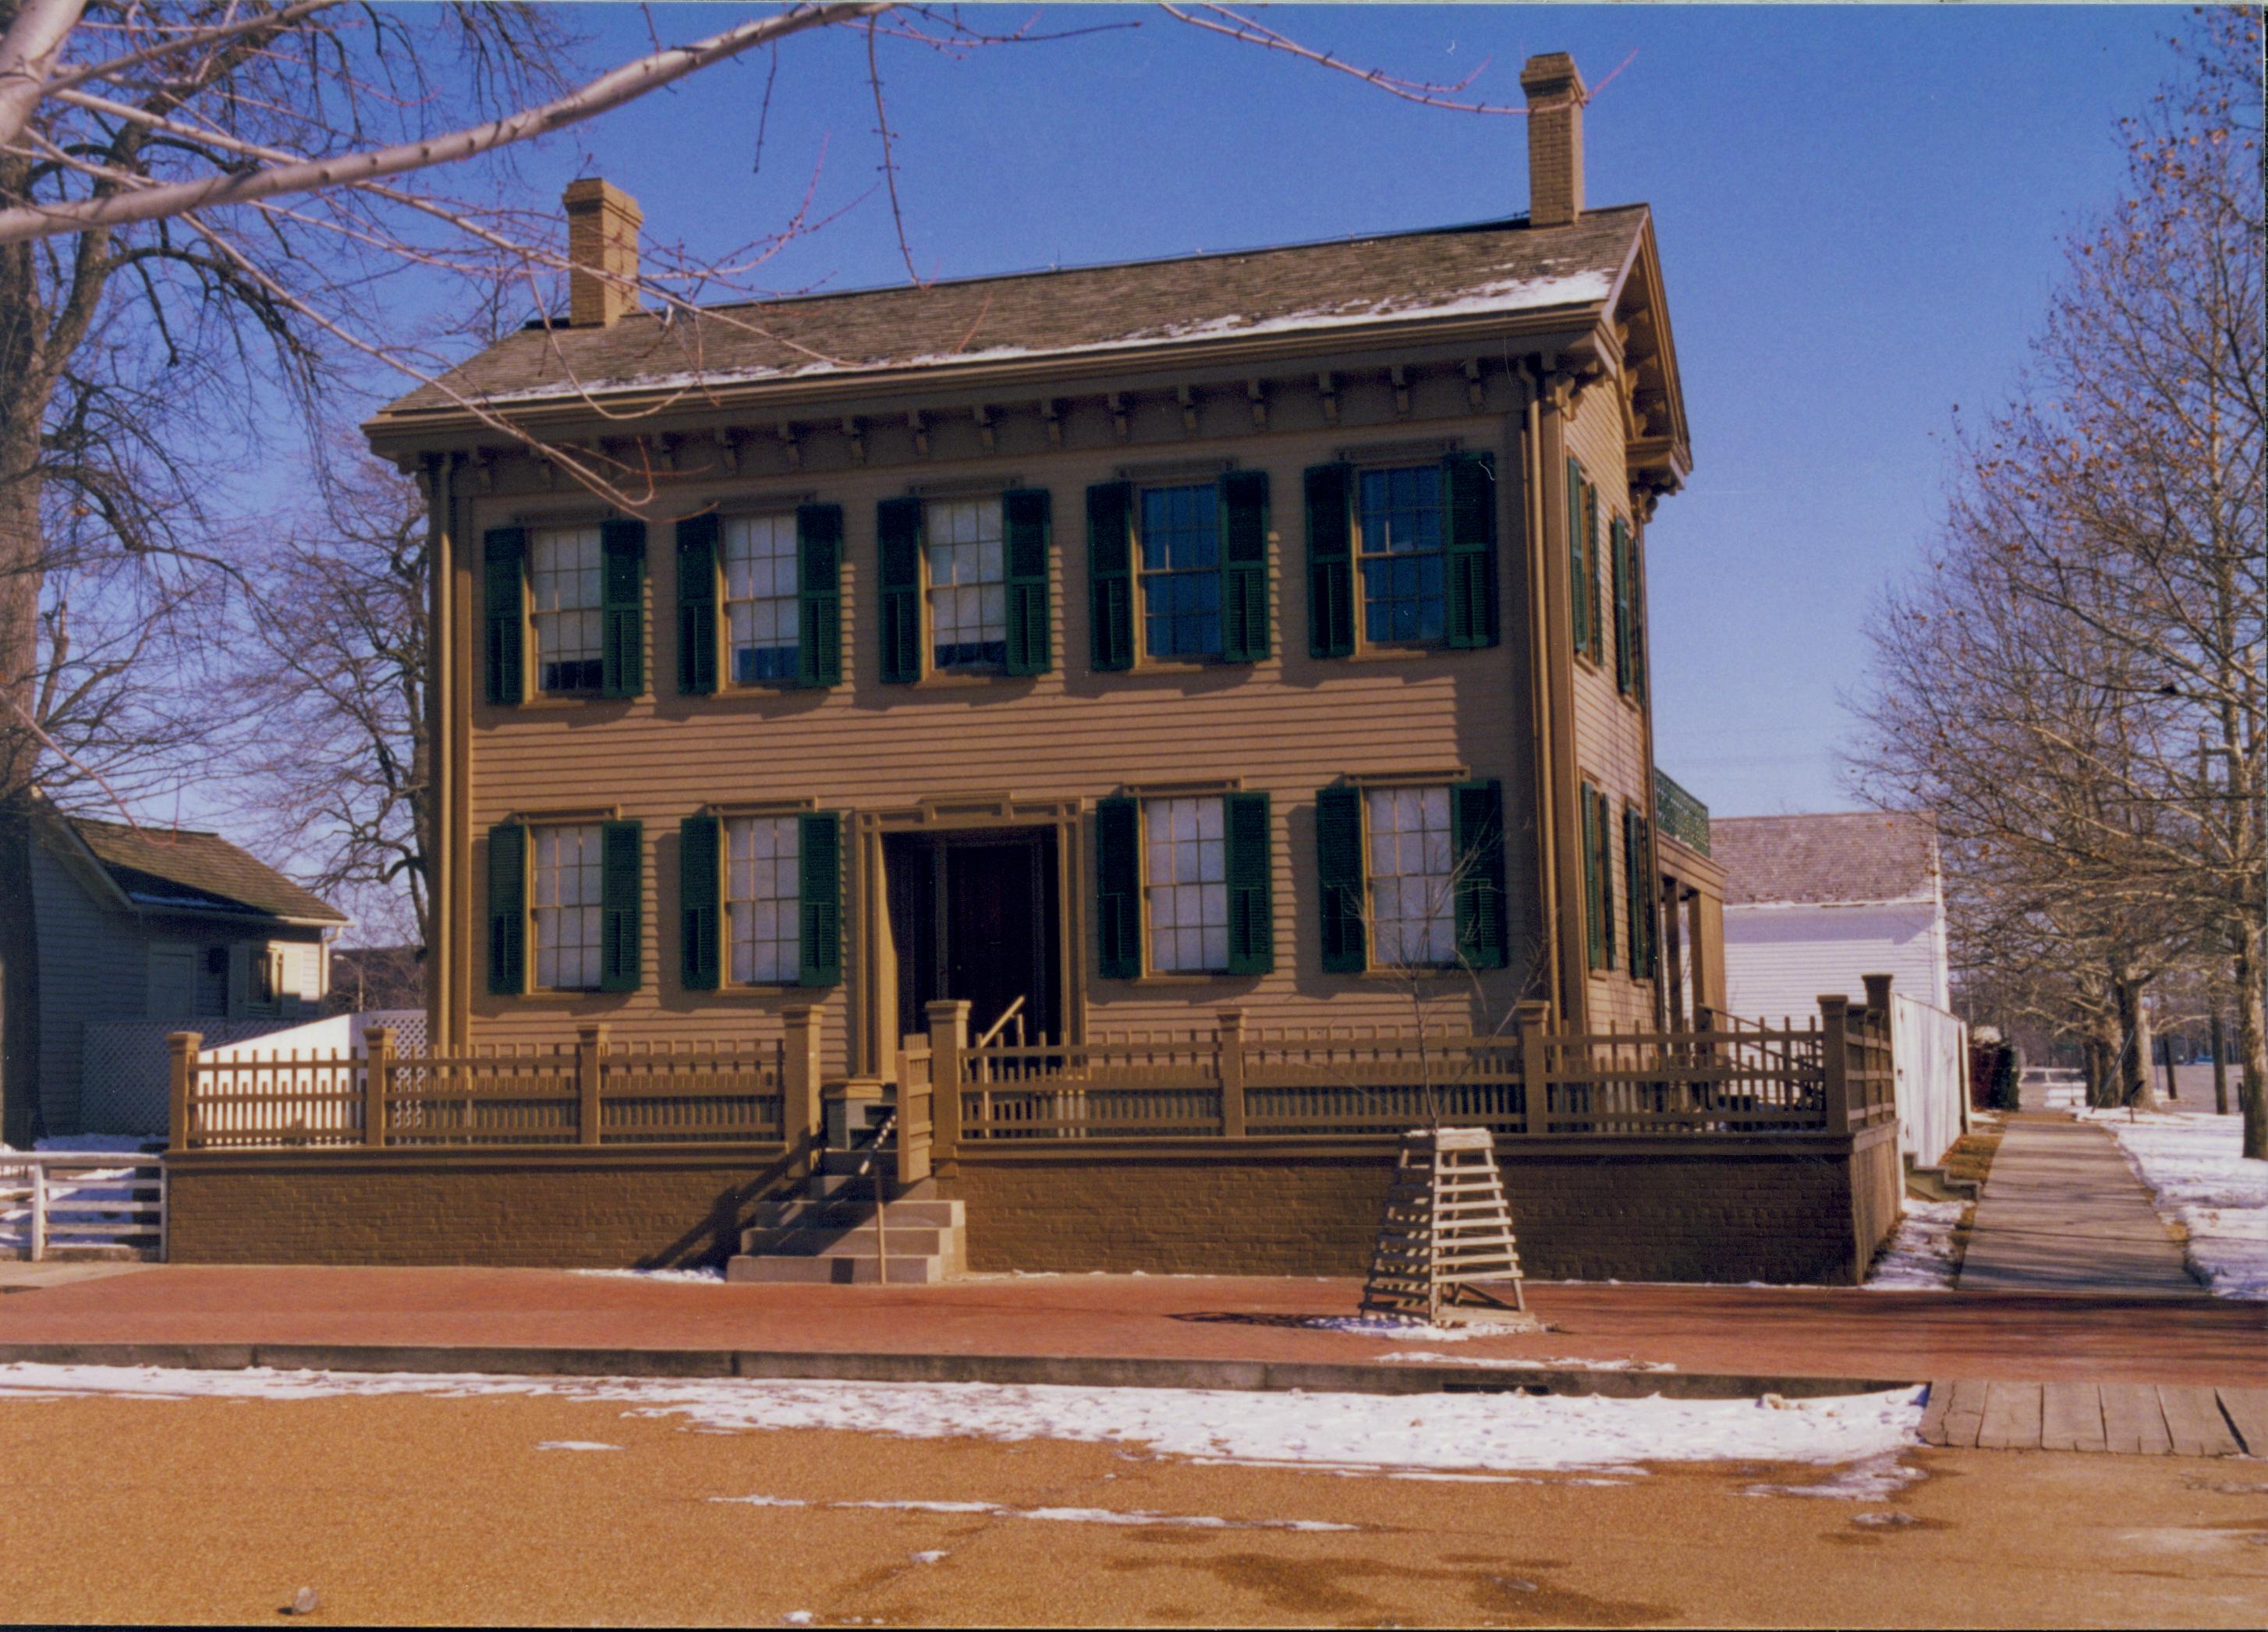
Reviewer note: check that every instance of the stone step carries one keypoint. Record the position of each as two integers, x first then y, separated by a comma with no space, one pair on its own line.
837,1271
811,1243
927,1214
860,1188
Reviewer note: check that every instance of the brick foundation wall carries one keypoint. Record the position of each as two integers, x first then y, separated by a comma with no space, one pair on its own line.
563,1207
1796,1210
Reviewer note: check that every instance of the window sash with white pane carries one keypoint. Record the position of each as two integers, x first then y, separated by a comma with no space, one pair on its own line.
1185,884
967,583
762,611
1413,905
564,602
762,899
1181,571
1403,555
567,884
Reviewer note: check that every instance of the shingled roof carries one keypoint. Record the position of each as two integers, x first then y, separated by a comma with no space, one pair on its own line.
184,870
1499,266
1847,858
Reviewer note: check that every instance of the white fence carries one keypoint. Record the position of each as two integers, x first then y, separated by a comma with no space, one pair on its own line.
314,1063
123,1074
1931,1048
54,1201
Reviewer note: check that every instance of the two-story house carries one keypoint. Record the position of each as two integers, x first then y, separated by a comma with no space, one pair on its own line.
1266,628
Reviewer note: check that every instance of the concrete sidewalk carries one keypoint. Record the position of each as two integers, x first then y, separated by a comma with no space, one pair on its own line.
2063,1212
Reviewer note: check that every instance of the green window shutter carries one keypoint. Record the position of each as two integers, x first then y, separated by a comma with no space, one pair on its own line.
622,896
1579,604
1250,867
1597,608
1244,631
1633,892
1340,880
700,908
1110,575
818,594
1593,924
1637,617
622,615
508,908
697,594
1477,841
1468,486
503,558
1624,674
1118,888
1330,561
1606,835
819,886
1026,515
898,533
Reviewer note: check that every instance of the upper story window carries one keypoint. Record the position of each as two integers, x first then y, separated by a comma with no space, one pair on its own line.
761,597
968,585
763,867
1402,548
1412,885
566,876
1185,884
1181,571
565,598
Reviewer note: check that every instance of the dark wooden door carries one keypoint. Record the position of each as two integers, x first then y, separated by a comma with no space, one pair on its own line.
976,917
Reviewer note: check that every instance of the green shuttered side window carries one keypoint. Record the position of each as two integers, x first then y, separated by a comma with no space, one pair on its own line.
622,896
1468,491
818,594
1250,867
1594,919
622,608
697,591
1579,604
508,908
1625,630
1340,883
1477,840
1638,886
1110,575
504,609
1637,616
1595,609
898,538
1027,519
700,888
819,880
1244,625
1330,561
1118,888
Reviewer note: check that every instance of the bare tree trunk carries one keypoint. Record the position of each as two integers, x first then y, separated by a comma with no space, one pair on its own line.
2252,1041
2135,1088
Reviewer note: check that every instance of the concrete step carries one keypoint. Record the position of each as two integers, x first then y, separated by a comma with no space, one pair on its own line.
860,1188
810,1243
1934,1184
837,1271
931,1215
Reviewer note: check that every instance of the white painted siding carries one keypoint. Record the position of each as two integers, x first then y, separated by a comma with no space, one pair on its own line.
1780,959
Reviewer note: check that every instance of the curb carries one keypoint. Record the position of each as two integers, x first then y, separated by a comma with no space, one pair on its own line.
1081,1370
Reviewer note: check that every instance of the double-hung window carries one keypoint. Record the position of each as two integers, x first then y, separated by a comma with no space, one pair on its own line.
566,880
968,585
760,899
1185,884
565,605
1400,537
1181,571
1413,903
761,597
964,585
763,861
1411,878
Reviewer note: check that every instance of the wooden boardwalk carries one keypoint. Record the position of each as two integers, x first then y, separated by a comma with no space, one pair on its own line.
2133,1419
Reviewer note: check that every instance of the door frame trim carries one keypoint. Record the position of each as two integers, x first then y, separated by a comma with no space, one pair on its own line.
874,986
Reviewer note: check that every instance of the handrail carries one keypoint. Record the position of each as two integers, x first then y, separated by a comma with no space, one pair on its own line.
1001,1024
881,1202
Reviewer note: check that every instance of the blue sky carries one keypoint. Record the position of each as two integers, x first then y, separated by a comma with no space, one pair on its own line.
1859,211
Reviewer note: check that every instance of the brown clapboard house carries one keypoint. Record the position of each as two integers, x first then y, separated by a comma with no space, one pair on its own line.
1264,628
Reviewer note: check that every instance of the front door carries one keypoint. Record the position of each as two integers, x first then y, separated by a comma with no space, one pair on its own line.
976,915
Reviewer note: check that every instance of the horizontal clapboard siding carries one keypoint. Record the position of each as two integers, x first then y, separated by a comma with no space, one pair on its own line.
1778,960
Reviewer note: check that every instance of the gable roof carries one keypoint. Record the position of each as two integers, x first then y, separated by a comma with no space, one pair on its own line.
184,869
1849,856
1495,266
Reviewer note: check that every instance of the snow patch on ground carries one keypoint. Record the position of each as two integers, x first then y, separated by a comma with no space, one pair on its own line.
1386,1325
1047,1514
1919,1257
696,1277
2193,1163
574,1444
1533,1433
1876,1478
1558,1363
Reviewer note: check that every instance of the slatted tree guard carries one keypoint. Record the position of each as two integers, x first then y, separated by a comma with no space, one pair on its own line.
1447,1237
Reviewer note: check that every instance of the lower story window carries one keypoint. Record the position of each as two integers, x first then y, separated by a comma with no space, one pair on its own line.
1185,884
1413,897
968,585
760,597
566,876
762,866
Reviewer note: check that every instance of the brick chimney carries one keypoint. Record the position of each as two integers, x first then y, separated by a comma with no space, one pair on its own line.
1555,139
602,229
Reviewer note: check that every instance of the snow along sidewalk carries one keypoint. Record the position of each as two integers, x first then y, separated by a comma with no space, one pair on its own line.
2199,1179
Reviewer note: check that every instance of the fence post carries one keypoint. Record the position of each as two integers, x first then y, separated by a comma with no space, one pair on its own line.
1532,1017
1228,1060
377,1083
948,1040
590,1062
799,1108
1835,1059
181,1051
